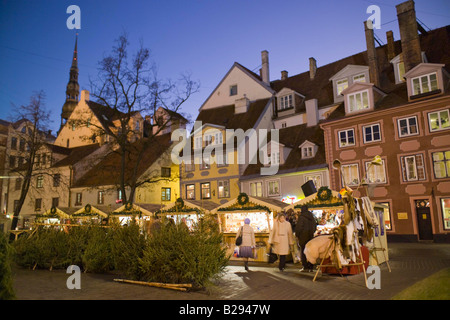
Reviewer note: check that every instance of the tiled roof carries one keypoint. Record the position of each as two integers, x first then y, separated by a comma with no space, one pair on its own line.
74,154
107,171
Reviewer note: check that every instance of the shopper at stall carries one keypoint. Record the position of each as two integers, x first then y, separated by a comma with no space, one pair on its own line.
281,239
304,231
248,245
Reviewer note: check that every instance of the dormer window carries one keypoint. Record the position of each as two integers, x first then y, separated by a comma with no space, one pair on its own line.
307,152
359,78
400,71
286,102
424,80
358,101
341,85
424,84
308,149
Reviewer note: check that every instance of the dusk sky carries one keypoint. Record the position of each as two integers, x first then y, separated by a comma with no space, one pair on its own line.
202,37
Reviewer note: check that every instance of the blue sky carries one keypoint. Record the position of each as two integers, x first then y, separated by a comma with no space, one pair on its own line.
202,37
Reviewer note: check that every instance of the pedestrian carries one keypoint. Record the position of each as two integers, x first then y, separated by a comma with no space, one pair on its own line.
281,239
304,231
248,242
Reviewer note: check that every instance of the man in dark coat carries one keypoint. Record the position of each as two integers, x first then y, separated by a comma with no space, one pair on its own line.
304,231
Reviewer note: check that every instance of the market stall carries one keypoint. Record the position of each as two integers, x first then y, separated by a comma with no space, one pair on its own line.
186,211
55,215
88,215
129,211
326,206
259,210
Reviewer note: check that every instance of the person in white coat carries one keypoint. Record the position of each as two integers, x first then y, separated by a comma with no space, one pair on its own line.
248,242
281,239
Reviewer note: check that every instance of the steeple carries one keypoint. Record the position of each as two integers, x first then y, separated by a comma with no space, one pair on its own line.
73,88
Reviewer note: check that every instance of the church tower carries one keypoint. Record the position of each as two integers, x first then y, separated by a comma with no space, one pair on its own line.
73,88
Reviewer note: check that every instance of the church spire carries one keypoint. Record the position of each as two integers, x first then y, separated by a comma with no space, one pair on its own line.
73,88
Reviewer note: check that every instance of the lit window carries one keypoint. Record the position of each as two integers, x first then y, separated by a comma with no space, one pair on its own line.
386,215
190,192
407,126
316,178
401,71
274,188
165,194
206,190
413,167
78,199
350,174
372,133
424,84
441,164
223,189
347,138
101,197
39,181
256,189
439,120
359,78
341,85
445,203
358,101
376,174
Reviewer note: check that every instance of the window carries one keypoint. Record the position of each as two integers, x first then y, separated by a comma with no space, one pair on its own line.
316,178
413,167
190,192
22,145
424,84
78,199
359,78
400,71
206,190
233,90
101,197
188,167
56,180
441,164
39,181
347,138
407,126
341,85
165,194
286,102
37,204
223,188
376,174
14,143
307,152
275,158
350,174
73,126
12,161
439,120
119,196
358,101
165,172
274,188
386,215
445,204
55,202
283,124
18,184
256,189
198,142
218,139
372,133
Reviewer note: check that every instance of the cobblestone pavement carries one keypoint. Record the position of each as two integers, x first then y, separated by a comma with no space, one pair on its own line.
410,262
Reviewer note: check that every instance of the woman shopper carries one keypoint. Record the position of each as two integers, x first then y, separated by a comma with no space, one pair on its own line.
281,239
248,242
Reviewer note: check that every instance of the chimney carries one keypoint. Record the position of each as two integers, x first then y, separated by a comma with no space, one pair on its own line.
312,68
241,105
312,112
265,67
390,45
372,55
284,75
409,36
84,95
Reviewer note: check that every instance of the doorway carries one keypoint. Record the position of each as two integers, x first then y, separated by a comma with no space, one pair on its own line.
424,220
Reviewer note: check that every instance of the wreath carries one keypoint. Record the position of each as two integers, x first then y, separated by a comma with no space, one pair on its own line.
242,199
128,206
324,194
179,204
87,208
53,210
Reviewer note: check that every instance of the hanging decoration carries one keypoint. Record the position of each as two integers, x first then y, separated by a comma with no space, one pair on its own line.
242,199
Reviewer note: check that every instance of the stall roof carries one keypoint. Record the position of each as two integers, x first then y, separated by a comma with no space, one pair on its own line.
96,210
273,204
194,204
312,197
63,212
146,209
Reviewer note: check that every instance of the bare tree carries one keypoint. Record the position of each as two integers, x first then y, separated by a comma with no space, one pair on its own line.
129,86
32,138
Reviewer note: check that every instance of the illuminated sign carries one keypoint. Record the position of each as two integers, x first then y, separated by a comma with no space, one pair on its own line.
289,199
